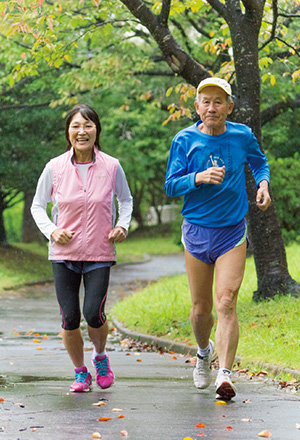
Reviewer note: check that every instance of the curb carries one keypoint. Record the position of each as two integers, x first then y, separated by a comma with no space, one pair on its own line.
180,348
160,343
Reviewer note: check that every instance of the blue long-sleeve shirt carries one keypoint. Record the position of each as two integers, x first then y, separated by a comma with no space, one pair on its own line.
210,205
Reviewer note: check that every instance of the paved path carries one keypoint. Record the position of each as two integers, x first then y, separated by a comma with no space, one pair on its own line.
154,391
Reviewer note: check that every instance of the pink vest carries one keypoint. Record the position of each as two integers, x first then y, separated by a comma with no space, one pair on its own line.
88,211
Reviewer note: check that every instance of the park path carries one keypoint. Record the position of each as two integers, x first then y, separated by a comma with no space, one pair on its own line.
154,390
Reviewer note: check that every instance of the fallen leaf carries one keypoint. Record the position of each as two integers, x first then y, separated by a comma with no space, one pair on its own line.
243,370
174,357
121,416
297,426
96,435
124,433
247,401
128,354
33,429
139,360
1,399
262,373
200,425
99,403
220,402
187,438
37,341
229,428
117,410
39,348
45,337
265,433
104,419
246,420
201,434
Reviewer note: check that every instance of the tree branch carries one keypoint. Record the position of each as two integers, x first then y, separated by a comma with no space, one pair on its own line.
274,24
165,12
198,28
179,61
275,110
219,7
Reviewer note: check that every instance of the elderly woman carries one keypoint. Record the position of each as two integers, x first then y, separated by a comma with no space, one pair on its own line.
82,184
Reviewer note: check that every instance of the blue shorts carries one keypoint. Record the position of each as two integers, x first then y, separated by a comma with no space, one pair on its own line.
208,244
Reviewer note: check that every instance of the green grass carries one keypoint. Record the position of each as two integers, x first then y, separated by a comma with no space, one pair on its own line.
269,331
21,264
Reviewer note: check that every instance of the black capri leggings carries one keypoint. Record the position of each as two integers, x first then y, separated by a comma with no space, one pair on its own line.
67,284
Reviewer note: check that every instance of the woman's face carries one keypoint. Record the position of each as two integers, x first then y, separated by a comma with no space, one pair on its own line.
82,134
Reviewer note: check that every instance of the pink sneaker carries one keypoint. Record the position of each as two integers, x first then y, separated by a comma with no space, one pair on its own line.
104,375
83,380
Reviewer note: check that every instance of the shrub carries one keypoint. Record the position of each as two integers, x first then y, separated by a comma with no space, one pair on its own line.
285,184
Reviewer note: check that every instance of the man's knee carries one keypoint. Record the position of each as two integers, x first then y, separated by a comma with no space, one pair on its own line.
226,302
201,310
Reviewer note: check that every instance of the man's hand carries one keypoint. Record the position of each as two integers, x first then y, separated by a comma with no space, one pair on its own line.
213,175
263,199
62,236
117,235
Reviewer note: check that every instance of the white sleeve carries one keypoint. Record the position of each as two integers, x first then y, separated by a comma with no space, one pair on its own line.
40,201
125,203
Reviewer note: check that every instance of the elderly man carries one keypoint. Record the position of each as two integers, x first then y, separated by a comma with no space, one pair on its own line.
206,166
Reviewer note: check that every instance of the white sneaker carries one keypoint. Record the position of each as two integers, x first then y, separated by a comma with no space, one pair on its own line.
224,387
202,370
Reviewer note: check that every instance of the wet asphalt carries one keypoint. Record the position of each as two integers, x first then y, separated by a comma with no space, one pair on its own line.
153,390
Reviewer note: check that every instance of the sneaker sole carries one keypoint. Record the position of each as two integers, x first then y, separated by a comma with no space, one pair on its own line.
225,391
81,391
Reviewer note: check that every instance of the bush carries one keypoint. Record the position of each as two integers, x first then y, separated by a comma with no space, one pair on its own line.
285,184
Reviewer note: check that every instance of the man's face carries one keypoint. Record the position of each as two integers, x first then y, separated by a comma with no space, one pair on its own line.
213,108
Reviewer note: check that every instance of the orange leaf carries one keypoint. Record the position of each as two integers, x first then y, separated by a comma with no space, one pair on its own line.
45,337
171,352
1,399
39,348
125,433
174,357
128,354
96,435
200,425
139,360
229,428
201,434
265,433
99,403
104,419
121,416
220,402
37,341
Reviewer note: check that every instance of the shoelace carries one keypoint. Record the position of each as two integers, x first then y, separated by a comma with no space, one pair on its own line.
101,367
81,377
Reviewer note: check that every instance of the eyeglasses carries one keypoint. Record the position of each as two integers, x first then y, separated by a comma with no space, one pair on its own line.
86,127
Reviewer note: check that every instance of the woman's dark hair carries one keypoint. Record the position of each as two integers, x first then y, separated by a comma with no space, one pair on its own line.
87,113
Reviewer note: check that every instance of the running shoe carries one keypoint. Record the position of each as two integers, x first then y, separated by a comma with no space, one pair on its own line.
104,375
202,370
224,386
83,380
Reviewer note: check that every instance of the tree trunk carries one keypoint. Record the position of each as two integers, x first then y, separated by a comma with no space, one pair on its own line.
3,238
267,242
30,232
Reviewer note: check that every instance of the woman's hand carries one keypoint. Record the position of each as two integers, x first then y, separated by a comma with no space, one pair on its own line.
117,234
62,236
